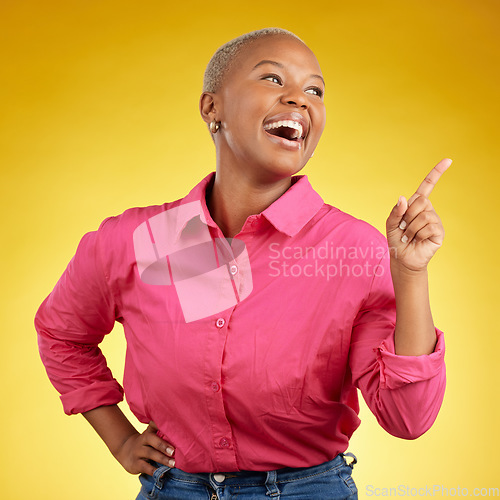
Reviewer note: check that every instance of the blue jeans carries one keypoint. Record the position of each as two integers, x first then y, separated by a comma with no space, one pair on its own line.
329,481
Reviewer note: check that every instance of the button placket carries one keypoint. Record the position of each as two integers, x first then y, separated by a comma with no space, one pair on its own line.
221,431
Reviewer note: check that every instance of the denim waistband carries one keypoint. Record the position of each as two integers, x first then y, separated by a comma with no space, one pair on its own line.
250,478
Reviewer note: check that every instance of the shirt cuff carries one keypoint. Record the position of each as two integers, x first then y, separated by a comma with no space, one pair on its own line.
397,371
92,396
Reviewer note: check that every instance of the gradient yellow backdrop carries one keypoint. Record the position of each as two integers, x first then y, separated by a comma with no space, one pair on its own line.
100,113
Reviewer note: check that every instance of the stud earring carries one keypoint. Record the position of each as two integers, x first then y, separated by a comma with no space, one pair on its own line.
214,126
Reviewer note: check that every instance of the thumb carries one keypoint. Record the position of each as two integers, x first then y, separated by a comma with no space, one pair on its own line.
152,427
396,214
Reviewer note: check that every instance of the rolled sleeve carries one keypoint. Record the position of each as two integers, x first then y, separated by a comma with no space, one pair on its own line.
97,394
397,371
71,322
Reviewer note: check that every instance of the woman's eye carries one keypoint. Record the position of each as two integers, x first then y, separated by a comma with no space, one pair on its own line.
273,78
315,91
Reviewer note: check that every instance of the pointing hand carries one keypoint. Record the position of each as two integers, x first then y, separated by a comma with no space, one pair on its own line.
414,230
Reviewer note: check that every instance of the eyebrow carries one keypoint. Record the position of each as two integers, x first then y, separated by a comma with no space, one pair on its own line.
279,65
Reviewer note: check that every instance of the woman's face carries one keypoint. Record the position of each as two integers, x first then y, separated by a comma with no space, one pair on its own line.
271,108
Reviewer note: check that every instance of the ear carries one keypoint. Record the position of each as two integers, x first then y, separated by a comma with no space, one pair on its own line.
208,108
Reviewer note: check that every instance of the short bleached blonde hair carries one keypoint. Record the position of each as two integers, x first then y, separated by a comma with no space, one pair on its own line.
221,61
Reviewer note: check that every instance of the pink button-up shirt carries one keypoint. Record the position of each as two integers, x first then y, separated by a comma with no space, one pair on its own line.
247,352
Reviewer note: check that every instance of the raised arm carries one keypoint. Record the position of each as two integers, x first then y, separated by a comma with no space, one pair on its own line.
397,355
414,234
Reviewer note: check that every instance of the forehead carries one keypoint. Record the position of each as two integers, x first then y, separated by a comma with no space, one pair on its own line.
279,48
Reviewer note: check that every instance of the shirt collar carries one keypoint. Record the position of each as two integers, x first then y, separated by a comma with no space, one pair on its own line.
288,214
295,207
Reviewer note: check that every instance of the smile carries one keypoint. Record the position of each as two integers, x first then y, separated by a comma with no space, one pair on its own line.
285,128
288,130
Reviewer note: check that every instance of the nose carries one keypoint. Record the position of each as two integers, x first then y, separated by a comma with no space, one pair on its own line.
295,97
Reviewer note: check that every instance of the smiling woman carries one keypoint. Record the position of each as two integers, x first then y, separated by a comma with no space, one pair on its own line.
268,104
245,366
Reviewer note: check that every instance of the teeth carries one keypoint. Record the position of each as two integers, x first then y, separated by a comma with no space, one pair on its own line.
286,123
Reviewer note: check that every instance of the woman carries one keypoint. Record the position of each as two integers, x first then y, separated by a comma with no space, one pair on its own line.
252,309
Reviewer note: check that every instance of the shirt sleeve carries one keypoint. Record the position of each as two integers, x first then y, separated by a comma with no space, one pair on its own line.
71,322
404,393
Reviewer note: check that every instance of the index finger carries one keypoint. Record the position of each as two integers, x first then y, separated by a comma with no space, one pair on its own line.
425,189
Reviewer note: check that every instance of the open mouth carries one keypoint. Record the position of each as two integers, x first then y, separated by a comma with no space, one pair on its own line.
289,133
287,129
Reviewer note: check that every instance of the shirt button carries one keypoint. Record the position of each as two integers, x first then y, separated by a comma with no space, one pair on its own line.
219,477
220,322
215,386
233,270
224,443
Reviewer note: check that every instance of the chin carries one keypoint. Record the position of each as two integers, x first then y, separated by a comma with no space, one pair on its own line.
284,169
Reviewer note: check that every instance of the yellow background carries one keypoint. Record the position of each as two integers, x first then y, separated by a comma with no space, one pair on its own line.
99,113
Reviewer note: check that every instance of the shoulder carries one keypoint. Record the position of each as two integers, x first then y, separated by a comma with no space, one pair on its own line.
122,224
113,241
343,226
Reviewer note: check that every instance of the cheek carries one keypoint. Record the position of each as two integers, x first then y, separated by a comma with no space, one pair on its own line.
247,108
318,118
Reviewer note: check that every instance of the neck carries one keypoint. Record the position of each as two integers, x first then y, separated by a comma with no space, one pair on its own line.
234,197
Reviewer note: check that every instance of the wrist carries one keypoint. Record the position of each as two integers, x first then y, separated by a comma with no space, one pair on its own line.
401,272
120,446
112,425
